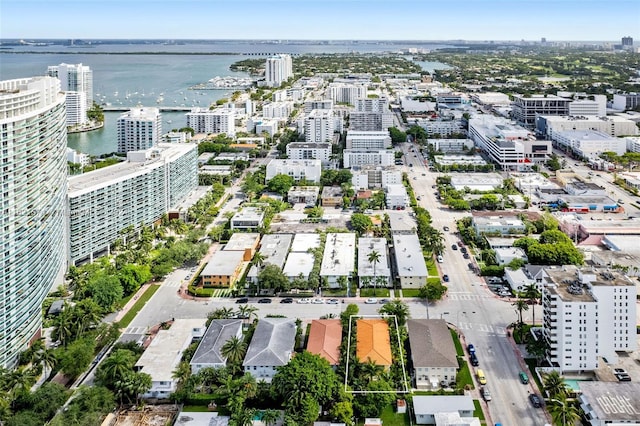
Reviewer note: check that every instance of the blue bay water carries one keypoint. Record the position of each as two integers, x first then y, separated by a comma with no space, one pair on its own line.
127,80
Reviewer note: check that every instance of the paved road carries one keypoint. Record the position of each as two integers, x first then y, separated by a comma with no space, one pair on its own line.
479,315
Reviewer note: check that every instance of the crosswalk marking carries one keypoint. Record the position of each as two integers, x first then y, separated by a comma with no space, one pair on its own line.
483,328
467,296
172,283
135,330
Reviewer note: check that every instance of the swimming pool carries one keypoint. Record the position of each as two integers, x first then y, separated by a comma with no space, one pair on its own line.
574,384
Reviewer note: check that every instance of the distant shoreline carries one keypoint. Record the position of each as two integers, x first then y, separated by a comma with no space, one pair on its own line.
83,129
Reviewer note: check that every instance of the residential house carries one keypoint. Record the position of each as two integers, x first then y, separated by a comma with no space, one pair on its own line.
433,352
373,342
271,347
325,337
208,354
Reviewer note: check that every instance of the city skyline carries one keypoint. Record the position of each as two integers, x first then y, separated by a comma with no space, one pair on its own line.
555,20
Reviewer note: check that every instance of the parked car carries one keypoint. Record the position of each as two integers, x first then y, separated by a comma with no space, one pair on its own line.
304,301
243,300
445,278
474,360
471,349
454,247
524,379
446,229
371,301
265,300
482,379
317,301
535,400
383,301
287,300
440,259
466,255
486,394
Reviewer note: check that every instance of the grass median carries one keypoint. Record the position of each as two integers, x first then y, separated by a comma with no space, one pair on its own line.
131,314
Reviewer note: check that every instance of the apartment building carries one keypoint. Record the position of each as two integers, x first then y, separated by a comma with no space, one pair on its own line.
377,274
319,126
409,261
625,101
280,110
526,107
372,177
383,158
587,313
498,225
309,151
139,129
318,104
278,69
371,115
74,78
103,202
32,223
308,170
346,93
219,120
338,259
368,141
76,105
396,196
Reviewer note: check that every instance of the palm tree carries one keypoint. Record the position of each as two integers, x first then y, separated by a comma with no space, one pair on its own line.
182,373
221,313
116,367
520,305
398,308
47,359
553,384
246,312
234,350
64,328
370,370
374,258
241,416
270,417
532,294
563,412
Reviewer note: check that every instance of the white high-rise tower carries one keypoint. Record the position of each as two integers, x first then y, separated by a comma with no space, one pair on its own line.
278,69
32,201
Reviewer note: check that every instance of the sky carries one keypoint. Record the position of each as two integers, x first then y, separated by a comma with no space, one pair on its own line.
579,20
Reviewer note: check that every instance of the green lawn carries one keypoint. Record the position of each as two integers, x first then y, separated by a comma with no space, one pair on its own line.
431,268
456,342
129,316
391,418
410,292
374,292
337,292
433,281
463,377
478,410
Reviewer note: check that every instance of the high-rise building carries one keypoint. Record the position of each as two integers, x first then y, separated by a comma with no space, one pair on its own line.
278,69
219,120
319,126
627,42
103,202
76,80
34,169
525,108
138,129
346,92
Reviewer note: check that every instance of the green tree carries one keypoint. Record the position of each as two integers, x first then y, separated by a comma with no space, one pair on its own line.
361,223
77,356
351,310
270,417
272,277
532,294
398,308
119,363
432,291
397,135
553,384
281,184
234,350
342,412
374,258
132,276
563,412
520,305
88,408
106,291
371,404
47,359
306,377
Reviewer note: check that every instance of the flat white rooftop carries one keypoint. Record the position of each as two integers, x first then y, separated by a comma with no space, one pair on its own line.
120,172
339,255
163,355
409,258
365,247
242,241
223,262
298,263
304,242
